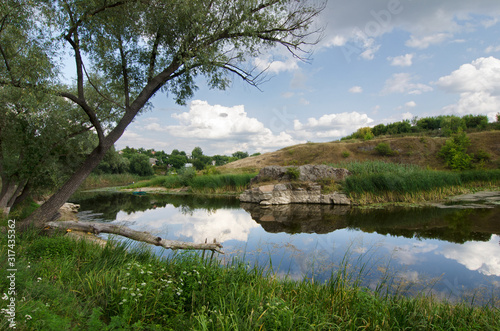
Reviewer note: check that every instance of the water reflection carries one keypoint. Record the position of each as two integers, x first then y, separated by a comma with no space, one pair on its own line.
447,251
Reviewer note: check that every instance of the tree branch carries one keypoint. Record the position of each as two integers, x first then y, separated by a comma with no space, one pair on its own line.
124,231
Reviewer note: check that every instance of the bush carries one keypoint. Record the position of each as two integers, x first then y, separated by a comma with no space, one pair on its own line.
345,154
454,152
139,165
384,149
293,173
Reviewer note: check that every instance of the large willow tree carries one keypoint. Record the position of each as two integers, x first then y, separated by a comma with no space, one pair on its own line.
126,51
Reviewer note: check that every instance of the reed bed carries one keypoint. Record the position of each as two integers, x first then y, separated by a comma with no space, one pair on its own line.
374,182
218,183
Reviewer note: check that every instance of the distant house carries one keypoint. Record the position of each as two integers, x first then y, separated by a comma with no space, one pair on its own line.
188,165
152,161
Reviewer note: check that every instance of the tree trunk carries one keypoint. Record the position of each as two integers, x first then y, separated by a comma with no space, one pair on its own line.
9,189
49,210
146,237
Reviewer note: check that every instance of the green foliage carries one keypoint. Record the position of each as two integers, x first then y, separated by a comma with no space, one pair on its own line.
240,155
375,167
451,125
177,161
454,152
113,163
139,165
345,154
384,149
293,173
186,175
475,121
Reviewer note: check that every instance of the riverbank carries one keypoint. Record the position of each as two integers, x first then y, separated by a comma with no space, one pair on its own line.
371,182
66,284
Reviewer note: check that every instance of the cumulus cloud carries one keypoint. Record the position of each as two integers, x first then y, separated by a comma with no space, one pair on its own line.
356,89
478,84
401,61
403,83
331,126
476,255
230,128
410,104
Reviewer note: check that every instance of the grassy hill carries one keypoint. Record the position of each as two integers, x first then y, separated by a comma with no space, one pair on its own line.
419,150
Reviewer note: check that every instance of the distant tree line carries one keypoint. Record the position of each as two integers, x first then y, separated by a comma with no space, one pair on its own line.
145,162
444,125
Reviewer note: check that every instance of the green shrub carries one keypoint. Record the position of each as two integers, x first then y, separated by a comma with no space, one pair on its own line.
293,173
454,152
384,149
345,154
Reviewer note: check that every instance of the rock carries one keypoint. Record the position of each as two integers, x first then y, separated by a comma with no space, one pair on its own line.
68,212
304,190
308,172
282,194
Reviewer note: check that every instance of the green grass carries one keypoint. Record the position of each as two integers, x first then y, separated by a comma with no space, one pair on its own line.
63,284
377,181
218,183
109,180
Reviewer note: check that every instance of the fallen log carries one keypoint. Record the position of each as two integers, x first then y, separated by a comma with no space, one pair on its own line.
143,236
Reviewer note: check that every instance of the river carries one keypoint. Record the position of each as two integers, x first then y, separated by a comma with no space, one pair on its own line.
450,251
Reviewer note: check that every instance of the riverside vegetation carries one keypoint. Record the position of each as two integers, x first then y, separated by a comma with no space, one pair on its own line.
65,284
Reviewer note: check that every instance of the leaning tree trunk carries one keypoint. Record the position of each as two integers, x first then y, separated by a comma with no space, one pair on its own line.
49,210
9,190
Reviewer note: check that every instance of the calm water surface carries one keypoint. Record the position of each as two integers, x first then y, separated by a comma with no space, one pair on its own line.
451,252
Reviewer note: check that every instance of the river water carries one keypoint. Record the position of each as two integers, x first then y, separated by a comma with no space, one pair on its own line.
451,251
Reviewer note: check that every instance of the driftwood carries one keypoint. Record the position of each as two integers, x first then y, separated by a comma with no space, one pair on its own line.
124,231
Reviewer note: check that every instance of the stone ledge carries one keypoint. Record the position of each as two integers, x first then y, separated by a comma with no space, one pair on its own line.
284,193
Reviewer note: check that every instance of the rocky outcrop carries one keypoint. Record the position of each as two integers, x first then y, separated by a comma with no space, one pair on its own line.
303,190
308,172
282,194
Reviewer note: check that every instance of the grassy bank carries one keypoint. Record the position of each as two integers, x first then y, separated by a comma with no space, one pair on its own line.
377,181
109,180
63,284
202,184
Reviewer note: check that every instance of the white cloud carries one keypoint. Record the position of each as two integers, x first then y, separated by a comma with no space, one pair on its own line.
410,104
356,89
276,66
401,61
403,83
411,254
331,126
349,24
229,128
426,41
478,84
477,255
492,49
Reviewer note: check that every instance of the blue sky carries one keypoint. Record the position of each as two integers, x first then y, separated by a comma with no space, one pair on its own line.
379,61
